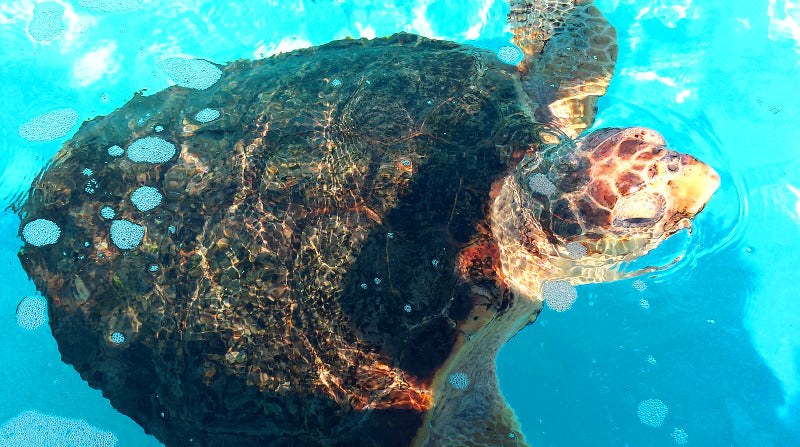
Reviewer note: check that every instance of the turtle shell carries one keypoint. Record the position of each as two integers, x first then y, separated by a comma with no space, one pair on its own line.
289,274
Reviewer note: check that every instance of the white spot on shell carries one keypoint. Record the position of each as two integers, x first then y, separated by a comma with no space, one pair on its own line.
41,232
576,250
115,151
559,295
32,312
107,212
540,183
458,380
146,198
509,54
151,150
117,337
206,115
126,235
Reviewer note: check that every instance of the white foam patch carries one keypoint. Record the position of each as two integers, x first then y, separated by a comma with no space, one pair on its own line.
48,22
91,67
652,412
34,429
110,5
197,74
49,126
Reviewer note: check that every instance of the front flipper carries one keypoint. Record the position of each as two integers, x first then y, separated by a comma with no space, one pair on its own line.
570,51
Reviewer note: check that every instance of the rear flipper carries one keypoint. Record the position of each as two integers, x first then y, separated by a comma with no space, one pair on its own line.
570,51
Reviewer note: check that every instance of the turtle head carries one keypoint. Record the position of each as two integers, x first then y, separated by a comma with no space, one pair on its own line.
637,187
609,197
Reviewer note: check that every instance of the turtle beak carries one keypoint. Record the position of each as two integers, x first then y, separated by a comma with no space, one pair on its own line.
693,188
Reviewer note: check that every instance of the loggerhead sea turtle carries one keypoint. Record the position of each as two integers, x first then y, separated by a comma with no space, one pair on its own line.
328,247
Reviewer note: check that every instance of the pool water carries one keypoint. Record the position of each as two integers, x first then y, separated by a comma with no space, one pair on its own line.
712,344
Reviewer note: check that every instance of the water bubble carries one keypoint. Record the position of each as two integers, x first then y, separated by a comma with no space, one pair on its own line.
151,150
49,126
651,360
87,172
153,268
158,128
126,235
559,295
32,312
652,412
644,304
115,151
41,232
576,250
364,285
390,235
336,83
407,308
48,21
680,436
171,229
198,74
107,212
459,380
117,337
639,285
539,183
146,198
435,262
206,115
509,54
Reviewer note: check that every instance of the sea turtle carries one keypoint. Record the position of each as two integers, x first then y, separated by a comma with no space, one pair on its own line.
329,246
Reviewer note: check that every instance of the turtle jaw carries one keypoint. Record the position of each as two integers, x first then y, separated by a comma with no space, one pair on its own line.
692,190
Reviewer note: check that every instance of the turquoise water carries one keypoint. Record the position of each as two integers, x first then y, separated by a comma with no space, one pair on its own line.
716,338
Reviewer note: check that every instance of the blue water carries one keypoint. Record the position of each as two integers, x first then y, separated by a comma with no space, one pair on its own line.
716,338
